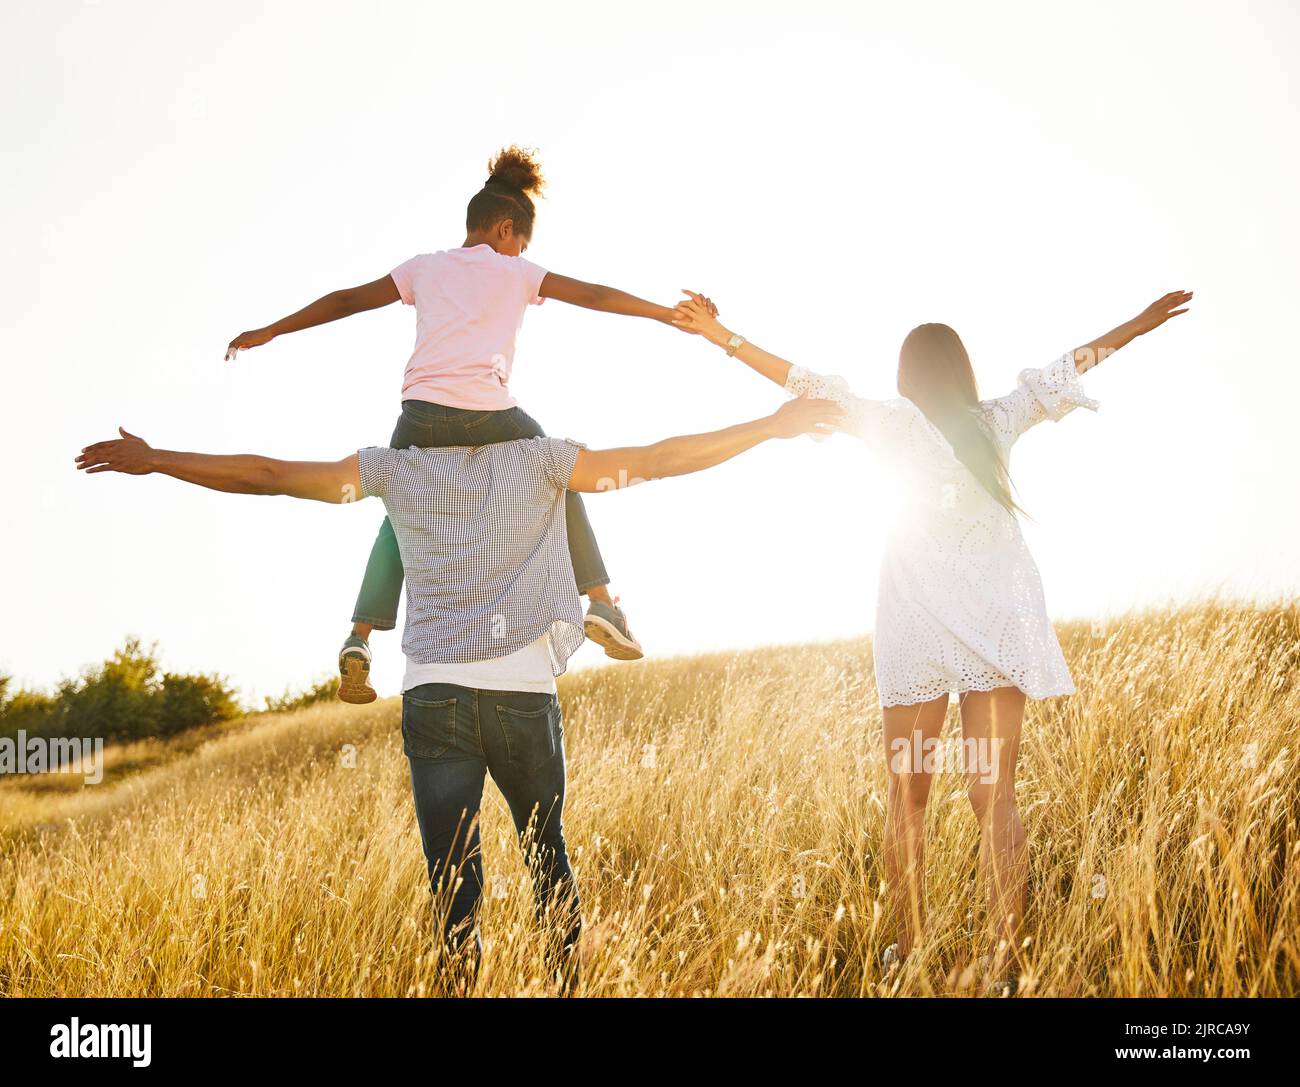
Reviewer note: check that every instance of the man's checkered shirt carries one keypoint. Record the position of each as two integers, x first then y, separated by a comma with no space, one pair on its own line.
484,546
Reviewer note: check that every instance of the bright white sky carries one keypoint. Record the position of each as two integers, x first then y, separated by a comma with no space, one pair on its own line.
833,174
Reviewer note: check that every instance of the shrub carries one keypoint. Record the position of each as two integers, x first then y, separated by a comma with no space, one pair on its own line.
128,697
324,691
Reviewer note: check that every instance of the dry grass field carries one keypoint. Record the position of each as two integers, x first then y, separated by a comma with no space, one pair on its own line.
724,819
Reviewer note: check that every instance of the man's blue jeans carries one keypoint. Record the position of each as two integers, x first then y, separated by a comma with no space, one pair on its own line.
452,737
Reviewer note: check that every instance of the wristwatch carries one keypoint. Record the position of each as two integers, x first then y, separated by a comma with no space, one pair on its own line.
734,344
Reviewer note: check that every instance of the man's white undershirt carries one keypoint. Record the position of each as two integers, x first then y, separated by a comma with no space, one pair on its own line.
527,669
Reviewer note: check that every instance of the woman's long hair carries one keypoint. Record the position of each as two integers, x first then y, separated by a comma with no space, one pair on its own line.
514,178
934,372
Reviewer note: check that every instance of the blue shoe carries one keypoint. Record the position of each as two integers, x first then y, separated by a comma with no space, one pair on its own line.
354,672
606,625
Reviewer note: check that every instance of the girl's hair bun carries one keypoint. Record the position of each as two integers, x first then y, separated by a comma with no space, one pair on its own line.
516,168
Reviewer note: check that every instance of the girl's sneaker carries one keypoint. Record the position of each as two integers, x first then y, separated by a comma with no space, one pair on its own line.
1007,984
606,625
891,959
354,672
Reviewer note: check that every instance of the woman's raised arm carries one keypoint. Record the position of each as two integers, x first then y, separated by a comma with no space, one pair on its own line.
1155,315
864,419
693,316
1054,391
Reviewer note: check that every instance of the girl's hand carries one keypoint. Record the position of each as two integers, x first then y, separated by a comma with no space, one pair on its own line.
245,340
698,315
1156,314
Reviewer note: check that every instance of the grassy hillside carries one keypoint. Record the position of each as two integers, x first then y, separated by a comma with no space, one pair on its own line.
724,818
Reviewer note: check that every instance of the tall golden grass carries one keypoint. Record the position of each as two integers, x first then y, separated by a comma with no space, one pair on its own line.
724,818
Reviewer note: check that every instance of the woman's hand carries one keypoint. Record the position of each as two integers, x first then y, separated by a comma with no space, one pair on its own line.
1156,314
245,340
698,315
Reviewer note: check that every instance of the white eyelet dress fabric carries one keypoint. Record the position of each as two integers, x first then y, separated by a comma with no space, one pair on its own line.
960,604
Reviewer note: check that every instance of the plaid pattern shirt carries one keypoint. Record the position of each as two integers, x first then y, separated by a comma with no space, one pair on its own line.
484,546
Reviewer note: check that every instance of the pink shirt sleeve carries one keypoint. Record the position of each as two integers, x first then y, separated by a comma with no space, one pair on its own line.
404,276
533,276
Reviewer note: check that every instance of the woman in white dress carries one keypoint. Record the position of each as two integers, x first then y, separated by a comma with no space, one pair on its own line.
960,606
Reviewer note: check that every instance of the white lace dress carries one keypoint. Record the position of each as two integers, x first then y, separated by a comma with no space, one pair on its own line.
960,605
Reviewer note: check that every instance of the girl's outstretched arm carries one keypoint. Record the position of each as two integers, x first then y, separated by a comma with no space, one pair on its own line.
344,303
1155,315
605,299
692,316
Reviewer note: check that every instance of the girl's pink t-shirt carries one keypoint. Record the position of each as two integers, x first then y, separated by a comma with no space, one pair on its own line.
469,304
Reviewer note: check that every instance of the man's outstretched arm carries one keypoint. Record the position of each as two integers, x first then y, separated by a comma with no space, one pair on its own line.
611,469
322,481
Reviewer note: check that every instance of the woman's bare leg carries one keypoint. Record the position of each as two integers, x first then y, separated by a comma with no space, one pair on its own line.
993,719
906,730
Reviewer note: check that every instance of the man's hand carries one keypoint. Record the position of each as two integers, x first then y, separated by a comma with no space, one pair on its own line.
239,473
245,340
805,416
698,315
1161,311
128,454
